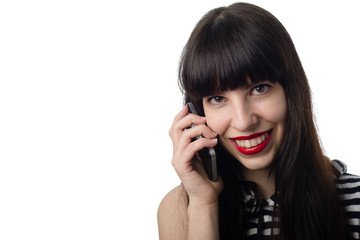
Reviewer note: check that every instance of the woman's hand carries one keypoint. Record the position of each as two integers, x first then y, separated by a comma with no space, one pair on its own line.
201,191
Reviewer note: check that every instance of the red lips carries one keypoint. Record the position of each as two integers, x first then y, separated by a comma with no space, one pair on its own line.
252,150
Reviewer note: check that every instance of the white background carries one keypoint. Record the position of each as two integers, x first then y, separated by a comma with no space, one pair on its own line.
88,92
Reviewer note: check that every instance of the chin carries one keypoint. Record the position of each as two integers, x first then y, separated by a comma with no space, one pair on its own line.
254,164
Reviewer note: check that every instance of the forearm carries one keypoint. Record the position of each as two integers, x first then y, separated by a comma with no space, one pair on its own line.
203,222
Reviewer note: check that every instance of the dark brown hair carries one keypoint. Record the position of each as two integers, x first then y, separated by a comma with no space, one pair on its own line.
228,44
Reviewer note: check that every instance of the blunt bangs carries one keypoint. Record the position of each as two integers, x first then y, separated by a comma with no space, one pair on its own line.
226,47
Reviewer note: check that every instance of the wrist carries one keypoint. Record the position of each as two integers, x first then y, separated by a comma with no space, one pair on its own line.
203,199
202,205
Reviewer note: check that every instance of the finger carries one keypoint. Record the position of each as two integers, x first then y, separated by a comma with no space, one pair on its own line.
202,130
201,143
192,119
189,120
183,121
185,156
193,134
198,131
182,113
178,117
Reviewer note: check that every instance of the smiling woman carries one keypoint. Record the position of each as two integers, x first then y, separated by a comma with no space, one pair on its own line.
242,72
249,122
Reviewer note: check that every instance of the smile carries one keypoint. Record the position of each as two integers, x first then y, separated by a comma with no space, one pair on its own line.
252,144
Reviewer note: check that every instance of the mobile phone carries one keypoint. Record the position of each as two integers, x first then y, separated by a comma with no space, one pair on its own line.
207,155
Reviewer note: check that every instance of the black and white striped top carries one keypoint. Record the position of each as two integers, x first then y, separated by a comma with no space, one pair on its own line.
348,185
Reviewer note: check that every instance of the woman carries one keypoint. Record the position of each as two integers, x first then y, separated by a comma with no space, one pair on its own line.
241,70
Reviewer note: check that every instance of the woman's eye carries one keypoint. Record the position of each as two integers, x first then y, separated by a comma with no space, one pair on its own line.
216,99
261,89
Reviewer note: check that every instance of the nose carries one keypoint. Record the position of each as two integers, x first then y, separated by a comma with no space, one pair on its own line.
244,117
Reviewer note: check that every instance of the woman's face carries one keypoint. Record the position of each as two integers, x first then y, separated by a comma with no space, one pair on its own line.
250,122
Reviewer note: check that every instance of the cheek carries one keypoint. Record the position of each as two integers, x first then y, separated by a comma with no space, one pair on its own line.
216,123
278,114
275,110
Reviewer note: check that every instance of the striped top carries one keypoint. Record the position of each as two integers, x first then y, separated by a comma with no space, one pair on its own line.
348,186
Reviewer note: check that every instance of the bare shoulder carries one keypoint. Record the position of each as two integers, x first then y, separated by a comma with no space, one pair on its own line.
176,199
172,214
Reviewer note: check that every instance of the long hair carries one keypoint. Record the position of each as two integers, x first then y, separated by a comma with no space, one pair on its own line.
228,44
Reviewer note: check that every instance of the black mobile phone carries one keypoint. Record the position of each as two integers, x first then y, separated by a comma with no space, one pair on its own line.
207,155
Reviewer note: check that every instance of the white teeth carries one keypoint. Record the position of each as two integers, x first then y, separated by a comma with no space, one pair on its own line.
252,142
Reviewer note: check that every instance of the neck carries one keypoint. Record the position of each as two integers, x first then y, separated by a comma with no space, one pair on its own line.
264,181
